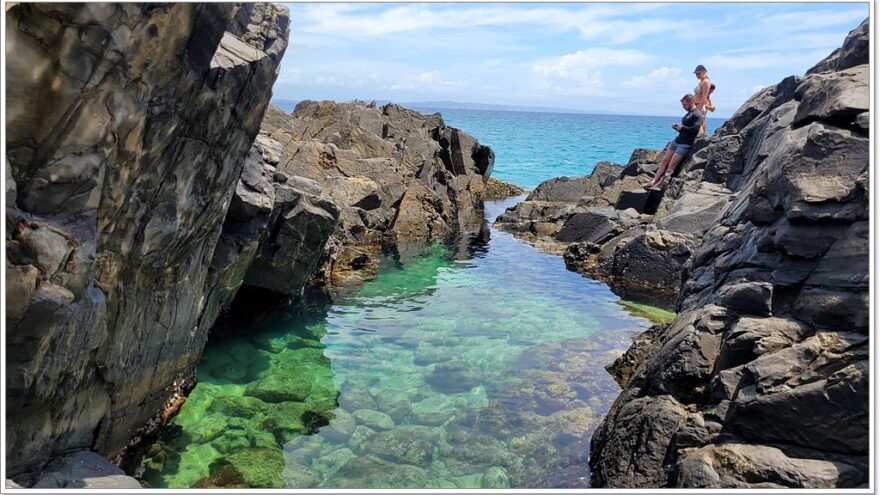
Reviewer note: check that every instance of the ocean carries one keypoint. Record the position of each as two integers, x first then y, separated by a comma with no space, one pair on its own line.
531,147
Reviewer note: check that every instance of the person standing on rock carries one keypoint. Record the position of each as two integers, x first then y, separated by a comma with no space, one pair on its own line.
702,92
688,131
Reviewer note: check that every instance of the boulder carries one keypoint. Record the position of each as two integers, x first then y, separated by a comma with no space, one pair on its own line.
454,376
592,226
739,465
85,470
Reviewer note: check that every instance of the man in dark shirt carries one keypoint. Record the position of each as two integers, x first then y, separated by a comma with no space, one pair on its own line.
678,148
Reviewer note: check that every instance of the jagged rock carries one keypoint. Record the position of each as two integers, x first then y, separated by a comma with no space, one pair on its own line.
394,174
592,226
833,96
572,189
644,265
632,452
766,363
496,189
301,225
124,150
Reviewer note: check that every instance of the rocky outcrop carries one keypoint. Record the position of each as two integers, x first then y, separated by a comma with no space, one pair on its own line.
127,130
497,189
395,176
761,381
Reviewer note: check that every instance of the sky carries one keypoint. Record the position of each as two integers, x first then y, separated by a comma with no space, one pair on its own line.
630,58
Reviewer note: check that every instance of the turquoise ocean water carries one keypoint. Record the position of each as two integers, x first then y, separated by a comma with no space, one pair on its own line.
477,362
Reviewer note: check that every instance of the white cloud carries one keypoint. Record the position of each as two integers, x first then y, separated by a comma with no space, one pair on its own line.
604,23
579,73
815,19
290,75
424,82
661,76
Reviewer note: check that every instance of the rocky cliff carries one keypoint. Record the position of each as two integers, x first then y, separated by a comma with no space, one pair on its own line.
761,244
142,195
127,129
391,175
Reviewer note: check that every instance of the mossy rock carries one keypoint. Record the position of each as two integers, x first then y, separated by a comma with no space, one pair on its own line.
205,429
260,467
260,438
284,420
238,406
281,387
225,477
236,361
231,441
325,394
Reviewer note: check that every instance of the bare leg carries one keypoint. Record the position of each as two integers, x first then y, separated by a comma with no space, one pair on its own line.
661,172
664,164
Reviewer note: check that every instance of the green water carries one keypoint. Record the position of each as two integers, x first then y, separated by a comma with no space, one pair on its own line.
477,363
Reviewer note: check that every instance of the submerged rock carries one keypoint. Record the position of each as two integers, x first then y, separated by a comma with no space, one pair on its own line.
372,472
495,477
374,419
259,467
455,376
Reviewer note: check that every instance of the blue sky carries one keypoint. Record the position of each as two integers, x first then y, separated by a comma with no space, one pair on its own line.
620,57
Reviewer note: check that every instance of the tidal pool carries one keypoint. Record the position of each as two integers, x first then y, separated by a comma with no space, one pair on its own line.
475,363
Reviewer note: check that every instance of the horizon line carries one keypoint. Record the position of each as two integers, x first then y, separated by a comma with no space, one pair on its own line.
496,106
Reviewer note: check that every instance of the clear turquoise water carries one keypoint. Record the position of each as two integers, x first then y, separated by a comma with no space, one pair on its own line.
531,147
468,364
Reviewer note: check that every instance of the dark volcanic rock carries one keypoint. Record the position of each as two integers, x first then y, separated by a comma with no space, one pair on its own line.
392,173
761,381
125,148
85,470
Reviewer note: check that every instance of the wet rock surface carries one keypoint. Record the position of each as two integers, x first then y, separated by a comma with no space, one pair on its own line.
128,127
761,381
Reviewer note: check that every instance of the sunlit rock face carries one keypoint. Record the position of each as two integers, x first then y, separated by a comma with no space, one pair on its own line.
761,381
127,129
397,177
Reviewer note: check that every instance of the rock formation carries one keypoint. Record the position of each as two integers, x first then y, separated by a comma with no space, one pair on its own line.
761,243
396,176
127,129
142,195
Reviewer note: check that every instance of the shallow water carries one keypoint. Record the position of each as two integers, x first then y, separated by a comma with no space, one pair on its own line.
477,363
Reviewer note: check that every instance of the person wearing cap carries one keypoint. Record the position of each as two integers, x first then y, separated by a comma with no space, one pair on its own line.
701,92
679,147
